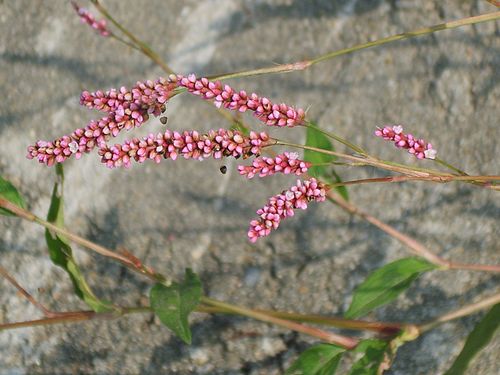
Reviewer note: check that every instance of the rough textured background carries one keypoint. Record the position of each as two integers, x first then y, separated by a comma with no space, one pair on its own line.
444,87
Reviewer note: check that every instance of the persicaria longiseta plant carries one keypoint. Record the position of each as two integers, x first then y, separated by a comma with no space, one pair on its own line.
315,180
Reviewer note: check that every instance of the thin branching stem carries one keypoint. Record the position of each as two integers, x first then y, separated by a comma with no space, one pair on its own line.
329,337
4,273
140,44
439,179
302,65
415,246
461,312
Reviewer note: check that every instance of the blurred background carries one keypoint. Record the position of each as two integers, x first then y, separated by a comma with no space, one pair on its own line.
442,87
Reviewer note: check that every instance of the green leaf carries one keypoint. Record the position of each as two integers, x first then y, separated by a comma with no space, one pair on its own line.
60,251
374,351
10,193
314,138
175,302
321,359
385,284
241,128
477,340
342,190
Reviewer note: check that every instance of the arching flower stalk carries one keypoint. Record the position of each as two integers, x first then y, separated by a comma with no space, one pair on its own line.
283,205
418,147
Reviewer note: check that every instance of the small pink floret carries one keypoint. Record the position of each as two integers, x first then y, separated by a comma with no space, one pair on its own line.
89,19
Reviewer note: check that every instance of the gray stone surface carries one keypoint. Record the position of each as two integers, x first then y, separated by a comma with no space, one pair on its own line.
174,215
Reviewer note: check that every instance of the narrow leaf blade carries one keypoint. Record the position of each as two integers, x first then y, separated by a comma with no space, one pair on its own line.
10,193
60,251
321,359
477,340
175,302
385,284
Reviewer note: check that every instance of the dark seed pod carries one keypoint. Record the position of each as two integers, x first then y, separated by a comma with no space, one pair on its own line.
223,169
164,120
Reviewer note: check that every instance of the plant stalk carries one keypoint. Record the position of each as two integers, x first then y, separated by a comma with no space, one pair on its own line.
461,312
329,337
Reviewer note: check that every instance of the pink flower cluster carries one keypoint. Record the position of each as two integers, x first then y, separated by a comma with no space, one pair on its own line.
282,206
287,163
126,110
418,147
225,96
89,19
188,144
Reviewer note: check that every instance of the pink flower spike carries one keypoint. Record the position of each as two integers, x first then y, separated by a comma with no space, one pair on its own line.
188,144
287,163
417,147
224,96
282,205
126,110
89,19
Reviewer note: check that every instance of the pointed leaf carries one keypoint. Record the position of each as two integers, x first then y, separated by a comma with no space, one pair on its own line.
314,138
374,351
175,302
385,284
10,193
477,340
321,359
60,251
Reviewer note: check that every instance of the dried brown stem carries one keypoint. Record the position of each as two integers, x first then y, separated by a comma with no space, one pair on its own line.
25,294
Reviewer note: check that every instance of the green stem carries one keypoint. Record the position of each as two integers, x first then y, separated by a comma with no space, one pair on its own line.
121,40
142,46
418,172
410,34
302,65
381,327
332,338
449,166
337,138
440,179
461,312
